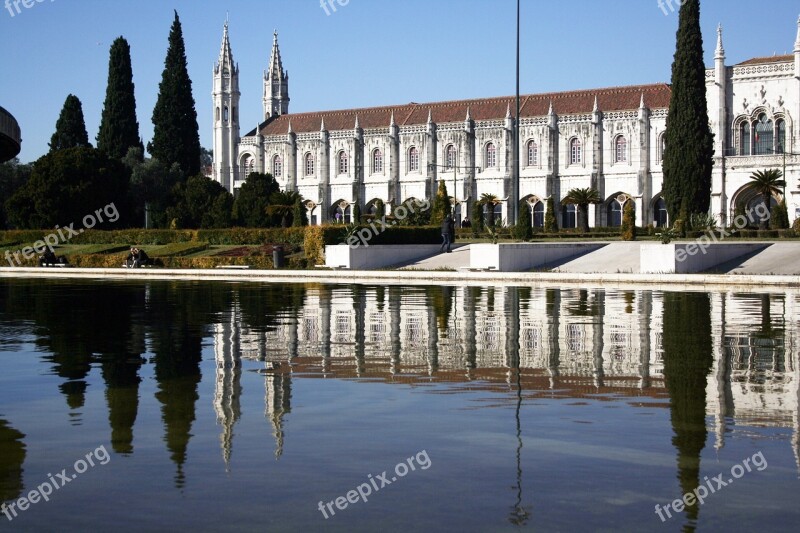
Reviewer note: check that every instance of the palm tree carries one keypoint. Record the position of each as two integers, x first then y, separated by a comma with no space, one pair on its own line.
281,204
489,200
767,183
582,198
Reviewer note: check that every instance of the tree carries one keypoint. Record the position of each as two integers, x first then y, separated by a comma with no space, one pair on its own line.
779,217
68,185
582,198
281,207
628,228
299,217
441,205
356,211
200,202
70,127
689,143
489,200
524,228
550,222
175,132
250,206
13,176
477,218
151,186
767,183
119,129
380,209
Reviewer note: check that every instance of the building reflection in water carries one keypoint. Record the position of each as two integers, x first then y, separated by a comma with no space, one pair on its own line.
12,456
722,359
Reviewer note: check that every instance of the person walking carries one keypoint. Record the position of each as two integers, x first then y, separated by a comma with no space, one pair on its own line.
448,230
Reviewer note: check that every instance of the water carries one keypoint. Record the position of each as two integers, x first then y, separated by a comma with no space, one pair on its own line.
241,407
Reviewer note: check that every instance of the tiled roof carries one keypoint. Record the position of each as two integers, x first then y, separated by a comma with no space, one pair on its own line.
656,96
762,60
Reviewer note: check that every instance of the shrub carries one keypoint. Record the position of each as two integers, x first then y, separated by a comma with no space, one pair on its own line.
523,230
314,245
779,217
628,228
550,222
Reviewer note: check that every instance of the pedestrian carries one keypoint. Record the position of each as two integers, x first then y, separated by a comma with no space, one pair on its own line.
448,229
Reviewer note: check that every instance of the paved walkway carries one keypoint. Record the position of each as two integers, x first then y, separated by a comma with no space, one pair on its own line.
615,258
452,261
781,258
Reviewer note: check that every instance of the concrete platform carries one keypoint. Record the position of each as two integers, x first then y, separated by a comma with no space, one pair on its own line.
779,258
614,258
457,259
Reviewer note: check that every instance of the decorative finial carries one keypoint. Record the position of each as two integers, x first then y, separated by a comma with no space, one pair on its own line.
797,42
357,126
430,115
551,111
596,107
322,124
641,102
508,110
720,53
290,127
392,122
469,114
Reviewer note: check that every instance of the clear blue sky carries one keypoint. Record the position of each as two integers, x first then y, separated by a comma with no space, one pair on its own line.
367,53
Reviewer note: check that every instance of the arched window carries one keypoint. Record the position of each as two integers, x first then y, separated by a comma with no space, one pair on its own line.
344,163
538,215
744,138
413,159
218,114
662,146
377,162
277,166
765,134
450,157
660,213
491,156
780,146
575,152
620,150
309,164
248,166
614,214
225,114
569,216
533,154
235,114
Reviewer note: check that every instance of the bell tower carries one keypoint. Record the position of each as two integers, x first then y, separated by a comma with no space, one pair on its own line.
226,114
276,84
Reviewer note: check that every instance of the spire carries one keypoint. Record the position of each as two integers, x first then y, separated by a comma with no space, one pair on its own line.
322,124
550,111
430,115
290,127
225,52
469,114
720,53
797,41
596,107
641,102
357,126
275,62
508,111
392,123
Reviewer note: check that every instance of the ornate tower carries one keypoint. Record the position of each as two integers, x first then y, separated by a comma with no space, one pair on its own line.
276,84
226,114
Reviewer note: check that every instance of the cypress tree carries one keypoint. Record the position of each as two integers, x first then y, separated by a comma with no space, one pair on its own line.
524,228
70,127
119,129
550,222
688,156
441,205
175,133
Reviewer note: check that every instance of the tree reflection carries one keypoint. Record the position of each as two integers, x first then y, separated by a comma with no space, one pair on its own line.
12,455
687,363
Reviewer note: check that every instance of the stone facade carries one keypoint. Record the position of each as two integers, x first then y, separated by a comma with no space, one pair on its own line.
610,139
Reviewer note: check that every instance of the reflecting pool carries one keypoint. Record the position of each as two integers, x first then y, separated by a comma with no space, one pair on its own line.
211,406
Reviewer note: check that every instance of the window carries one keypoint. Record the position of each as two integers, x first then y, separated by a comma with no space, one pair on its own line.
217,114
662,146
309,164
344,163
569,216
660,213
538,215
575,152
765,134
277,166
614,214
744,139
377,162
533,154
620,150
491,156
225,114
780,147
413,159
450,157
248,166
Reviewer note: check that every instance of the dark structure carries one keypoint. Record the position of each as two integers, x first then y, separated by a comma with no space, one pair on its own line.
10,136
